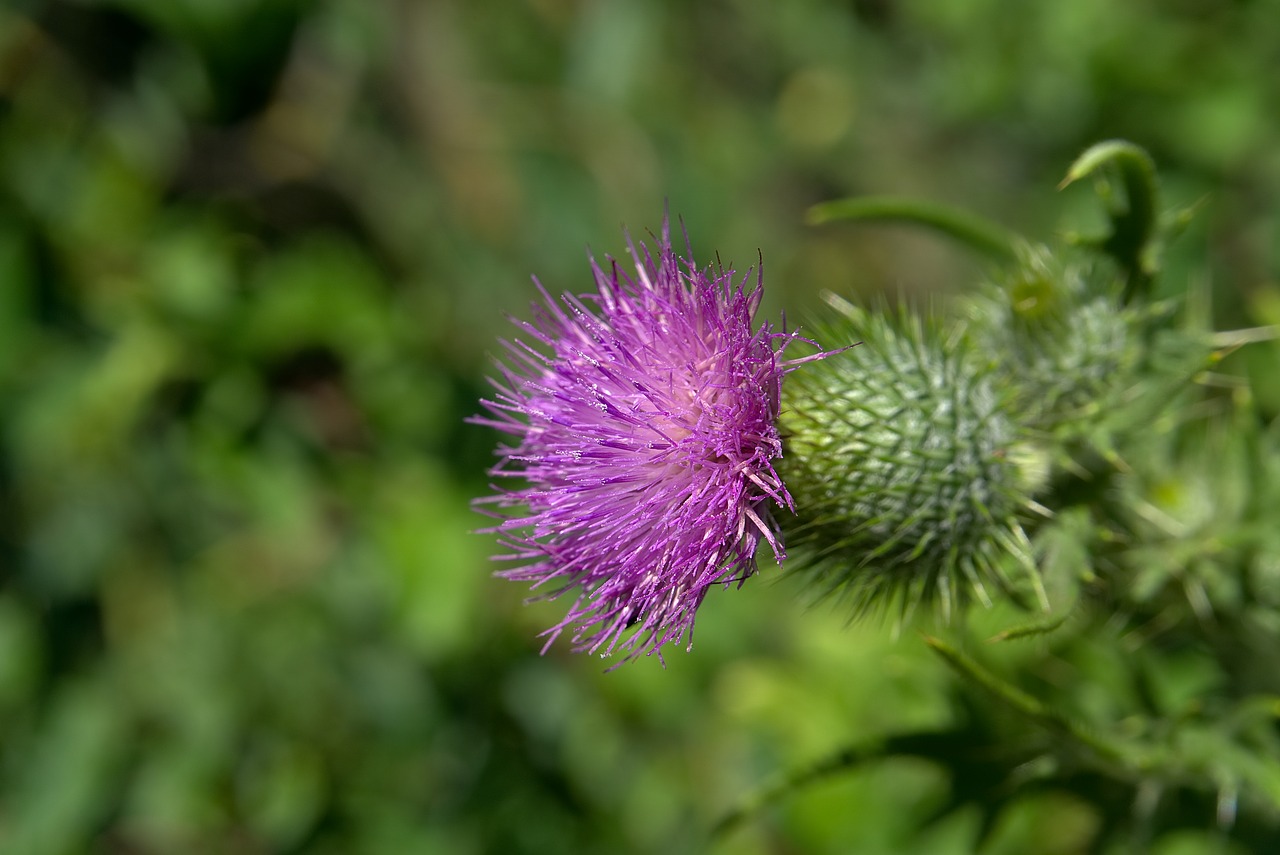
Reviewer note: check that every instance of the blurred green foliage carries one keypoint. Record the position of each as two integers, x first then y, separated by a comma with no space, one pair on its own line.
253,254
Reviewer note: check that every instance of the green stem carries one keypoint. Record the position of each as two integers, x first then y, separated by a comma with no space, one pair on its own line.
988,238
1125,758
846,758
1133,222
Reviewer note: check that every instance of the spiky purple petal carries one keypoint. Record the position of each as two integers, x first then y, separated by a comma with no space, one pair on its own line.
645,415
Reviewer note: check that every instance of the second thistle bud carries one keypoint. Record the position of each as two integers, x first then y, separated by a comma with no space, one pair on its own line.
906,469
1066,344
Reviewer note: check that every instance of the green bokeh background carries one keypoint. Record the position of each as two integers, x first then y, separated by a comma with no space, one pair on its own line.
254,258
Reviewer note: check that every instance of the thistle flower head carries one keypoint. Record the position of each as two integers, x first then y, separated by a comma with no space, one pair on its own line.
644,416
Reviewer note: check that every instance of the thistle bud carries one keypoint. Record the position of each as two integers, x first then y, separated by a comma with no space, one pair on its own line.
906,469
1068,347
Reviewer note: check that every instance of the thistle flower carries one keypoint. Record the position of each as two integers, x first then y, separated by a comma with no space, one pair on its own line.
645,417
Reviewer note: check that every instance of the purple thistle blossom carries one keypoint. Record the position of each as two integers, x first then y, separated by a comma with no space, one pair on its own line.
646,422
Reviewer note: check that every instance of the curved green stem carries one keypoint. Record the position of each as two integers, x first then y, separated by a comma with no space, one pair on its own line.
1133,220
988,238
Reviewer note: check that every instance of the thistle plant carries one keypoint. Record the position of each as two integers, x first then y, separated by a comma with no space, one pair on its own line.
1106,466
1056,449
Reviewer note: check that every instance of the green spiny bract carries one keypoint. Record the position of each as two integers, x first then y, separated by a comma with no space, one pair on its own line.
906,468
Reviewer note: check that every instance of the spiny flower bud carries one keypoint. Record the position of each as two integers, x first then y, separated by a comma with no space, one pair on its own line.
906,469
1069,348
